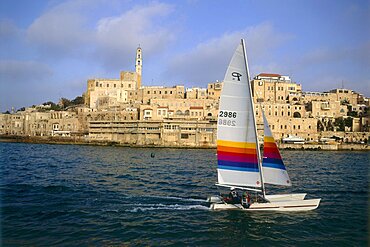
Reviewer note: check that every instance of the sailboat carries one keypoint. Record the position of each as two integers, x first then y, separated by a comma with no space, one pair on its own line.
240,165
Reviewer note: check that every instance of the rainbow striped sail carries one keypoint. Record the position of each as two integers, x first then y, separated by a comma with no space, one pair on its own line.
274,171
236,130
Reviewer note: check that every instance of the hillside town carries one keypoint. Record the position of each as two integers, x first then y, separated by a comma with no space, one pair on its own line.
124,112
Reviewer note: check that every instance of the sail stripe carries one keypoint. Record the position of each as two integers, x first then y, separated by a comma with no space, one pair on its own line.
274,165
269,139
243,169
269,145
237,150
237,157
236,144
242,166
271,153
273,160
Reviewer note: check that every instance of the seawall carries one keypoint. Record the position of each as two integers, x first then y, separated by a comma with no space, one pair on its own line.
86,141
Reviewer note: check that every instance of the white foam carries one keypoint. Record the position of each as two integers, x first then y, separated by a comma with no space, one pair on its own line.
179,198
151,207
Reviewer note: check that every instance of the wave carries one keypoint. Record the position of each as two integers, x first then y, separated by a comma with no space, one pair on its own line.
155,207
179,198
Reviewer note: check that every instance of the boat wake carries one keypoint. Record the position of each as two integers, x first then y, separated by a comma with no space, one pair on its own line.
159,206
179,198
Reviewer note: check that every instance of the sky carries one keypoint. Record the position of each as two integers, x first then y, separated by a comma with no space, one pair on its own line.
50,48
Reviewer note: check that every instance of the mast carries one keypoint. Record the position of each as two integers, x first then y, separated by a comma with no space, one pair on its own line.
254,119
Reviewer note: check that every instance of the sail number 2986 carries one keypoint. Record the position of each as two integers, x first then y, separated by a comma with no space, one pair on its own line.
227,114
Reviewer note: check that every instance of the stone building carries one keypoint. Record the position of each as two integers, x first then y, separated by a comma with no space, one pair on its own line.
273,88
155,133
111,92
346,95
214,90
144,94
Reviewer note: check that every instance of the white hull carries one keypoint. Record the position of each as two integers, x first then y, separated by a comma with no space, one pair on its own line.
286,197
289,202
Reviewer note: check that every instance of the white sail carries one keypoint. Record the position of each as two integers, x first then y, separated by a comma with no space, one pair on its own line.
274,171
236,130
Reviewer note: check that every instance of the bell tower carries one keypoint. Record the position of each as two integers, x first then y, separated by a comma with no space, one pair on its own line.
138,66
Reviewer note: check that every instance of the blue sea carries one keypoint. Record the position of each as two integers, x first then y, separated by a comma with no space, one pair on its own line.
71,195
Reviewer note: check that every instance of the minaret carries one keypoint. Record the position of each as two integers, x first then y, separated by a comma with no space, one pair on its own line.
138,66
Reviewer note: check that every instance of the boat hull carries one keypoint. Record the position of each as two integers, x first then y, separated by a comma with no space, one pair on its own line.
286,197
290,204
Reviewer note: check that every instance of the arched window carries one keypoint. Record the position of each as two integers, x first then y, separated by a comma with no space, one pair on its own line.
297,115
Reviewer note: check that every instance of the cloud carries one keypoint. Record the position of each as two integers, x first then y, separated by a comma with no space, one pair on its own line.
118,37
61,31
23,72
23,83
8,30
208,60
327,67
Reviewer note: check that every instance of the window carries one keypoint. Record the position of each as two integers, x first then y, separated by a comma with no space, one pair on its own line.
184,136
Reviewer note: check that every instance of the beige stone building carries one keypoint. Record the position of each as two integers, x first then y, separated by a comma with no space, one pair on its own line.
186,109
329,109
214,90
143,95
273,88
155,133
102,93
346,95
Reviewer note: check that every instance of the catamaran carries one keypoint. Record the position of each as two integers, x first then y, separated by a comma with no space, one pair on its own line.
240,165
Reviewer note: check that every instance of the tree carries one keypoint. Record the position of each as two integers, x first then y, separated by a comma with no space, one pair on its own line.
352,114
339,122
79,100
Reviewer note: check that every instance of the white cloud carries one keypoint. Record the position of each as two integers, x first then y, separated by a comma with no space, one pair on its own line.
208,61
62,30
118,37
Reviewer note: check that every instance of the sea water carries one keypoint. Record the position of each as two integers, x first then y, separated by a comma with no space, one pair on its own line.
68,195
